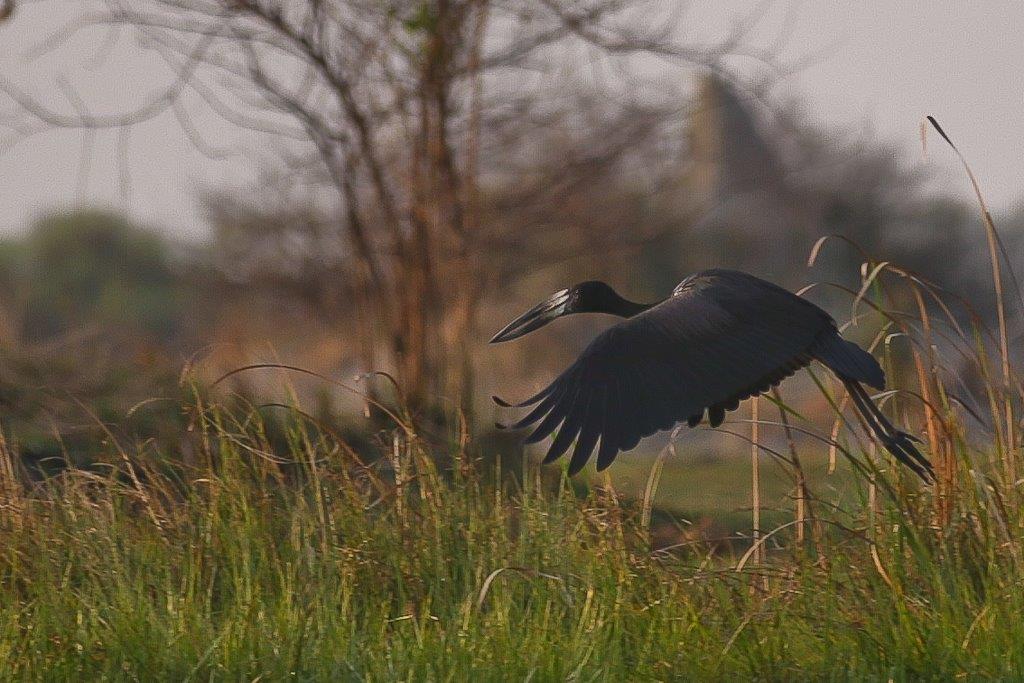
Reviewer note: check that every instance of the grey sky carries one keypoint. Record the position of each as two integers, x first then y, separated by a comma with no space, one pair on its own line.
884,66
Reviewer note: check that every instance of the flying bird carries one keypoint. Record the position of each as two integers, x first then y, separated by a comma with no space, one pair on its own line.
721,337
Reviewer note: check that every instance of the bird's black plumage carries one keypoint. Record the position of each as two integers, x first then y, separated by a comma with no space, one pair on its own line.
723,336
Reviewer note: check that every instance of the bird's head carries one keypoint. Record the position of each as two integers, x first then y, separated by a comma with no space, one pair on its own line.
592,296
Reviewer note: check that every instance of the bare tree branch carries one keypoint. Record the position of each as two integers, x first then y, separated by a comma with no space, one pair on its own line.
437,127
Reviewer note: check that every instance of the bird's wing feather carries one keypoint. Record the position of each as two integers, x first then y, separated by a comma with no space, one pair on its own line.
722,337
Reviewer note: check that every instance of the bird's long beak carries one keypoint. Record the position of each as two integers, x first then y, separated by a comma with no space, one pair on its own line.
540,315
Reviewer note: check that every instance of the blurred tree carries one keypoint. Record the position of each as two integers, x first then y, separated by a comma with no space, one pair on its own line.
401,108
94,267
89,305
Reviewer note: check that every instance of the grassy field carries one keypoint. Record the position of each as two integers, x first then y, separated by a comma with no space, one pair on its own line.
263,561
709,493
256,550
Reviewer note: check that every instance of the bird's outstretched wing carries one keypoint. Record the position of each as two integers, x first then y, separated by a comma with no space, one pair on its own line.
722,336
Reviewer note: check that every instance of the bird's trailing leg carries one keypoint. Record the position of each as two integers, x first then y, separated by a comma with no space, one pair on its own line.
897,442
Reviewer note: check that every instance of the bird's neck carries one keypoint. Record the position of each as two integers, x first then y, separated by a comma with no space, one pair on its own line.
625,308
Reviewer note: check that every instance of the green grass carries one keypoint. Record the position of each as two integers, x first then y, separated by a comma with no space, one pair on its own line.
255,563
715,487
236,556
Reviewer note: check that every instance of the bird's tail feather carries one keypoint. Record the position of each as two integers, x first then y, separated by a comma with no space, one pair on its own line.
897,442
848,360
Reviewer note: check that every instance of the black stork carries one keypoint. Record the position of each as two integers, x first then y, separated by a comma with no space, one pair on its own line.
723,336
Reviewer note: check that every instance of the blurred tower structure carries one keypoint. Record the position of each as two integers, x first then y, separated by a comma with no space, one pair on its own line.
745,212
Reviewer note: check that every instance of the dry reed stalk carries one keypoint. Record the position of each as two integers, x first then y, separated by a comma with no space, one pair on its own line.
995,246
397,466
755,483
12,505
802,494
945,467
653,478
